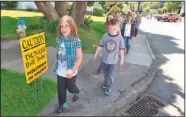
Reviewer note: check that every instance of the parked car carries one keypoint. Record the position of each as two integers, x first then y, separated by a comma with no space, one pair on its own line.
169,17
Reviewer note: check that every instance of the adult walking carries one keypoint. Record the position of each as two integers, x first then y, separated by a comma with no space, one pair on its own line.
137,22
128,31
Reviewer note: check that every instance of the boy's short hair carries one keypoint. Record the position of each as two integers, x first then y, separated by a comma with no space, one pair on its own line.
113,22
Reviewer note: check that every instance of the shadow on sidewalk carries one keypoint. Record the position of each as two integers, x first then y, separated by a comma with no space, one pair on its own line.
163,85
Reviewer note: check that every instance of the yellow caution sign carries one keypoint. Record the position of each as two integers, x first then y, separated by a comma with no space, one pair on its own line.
34,56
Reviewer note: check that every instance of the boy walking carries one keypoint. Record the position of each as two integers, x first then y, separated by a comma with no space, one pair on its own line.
113,45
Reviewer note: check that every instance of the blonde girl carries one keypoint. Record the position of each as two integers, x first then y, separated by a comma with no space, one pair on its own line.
68,60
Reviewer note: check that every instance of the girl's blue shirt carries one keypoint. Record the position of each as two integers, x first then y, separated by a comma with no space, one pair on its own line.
71,44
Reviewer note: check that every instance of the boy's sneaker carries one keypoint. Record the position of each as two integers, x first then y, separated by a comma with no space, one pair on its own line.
76,97
61,109
108,92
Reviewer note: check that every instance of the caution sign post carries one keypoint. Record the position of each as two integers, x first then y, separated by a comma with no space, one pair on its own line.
34,56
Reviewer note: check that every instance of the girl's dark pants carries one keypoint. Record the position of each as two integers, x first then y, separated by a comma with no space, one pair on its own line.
62,85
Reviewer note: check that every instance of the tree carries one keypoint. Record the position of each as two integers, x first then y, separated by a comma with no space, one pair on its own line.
61,7
133,5
77,12
172,6
52,13
48,10
114,6
103,4
9,4
80,10
90,3
139,5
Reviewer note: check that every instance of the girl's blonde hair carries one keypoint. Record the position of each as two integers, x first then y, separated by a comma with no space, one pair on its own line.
72,25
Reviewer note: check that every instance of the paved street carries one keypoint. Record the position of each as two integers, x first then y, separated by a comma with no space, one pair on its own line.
167,42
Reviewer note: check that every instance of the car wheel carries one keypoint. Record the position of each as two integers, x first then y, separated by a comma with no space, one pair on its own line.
175,20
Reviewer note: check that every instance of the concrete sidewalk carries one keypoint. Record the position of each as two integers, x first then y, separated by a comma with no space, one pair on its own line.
130,81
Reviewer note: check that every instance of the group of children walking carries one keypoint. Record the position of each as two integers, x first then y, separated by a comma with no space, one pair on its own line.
119,31
128,28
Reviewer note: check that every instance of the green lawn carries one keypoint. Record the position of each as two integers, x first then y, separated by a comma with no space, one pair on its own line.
17,97
35,23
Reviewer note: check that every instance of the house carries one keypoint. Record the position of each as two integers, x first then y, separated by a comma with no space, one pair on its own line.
25,5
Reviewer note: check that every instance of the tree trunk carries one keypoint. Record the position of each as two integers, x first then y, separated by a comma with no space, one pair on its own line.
61,7
139,5
73,11
84,9
80,9
48,10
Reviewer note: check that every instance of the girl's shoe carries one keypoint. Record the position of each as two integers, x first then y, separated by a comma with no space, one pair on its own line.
108,91
127,51
99,71
61,109
104,87
76,97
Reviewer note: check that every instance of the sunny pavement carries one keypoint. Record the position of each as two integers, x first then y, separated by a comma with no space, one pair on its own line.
92,99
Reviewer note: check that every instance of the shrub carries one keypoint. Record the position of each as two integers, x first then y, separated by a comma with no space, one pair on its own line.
29,8
33,27
43,24
98,12
88,21
49,26
160,11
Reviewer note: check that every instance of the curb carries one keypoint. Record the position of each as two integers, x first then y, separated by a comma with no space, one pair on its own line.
149,48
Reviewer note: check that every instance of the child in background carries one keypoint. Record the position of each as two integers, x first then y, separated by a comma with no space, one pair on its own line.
68,60
137,22
128,31
120,18
110,16
113,45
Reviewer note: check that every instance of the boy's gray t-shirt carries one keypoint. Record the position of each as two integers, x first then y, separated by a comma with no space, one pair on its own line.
111,47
